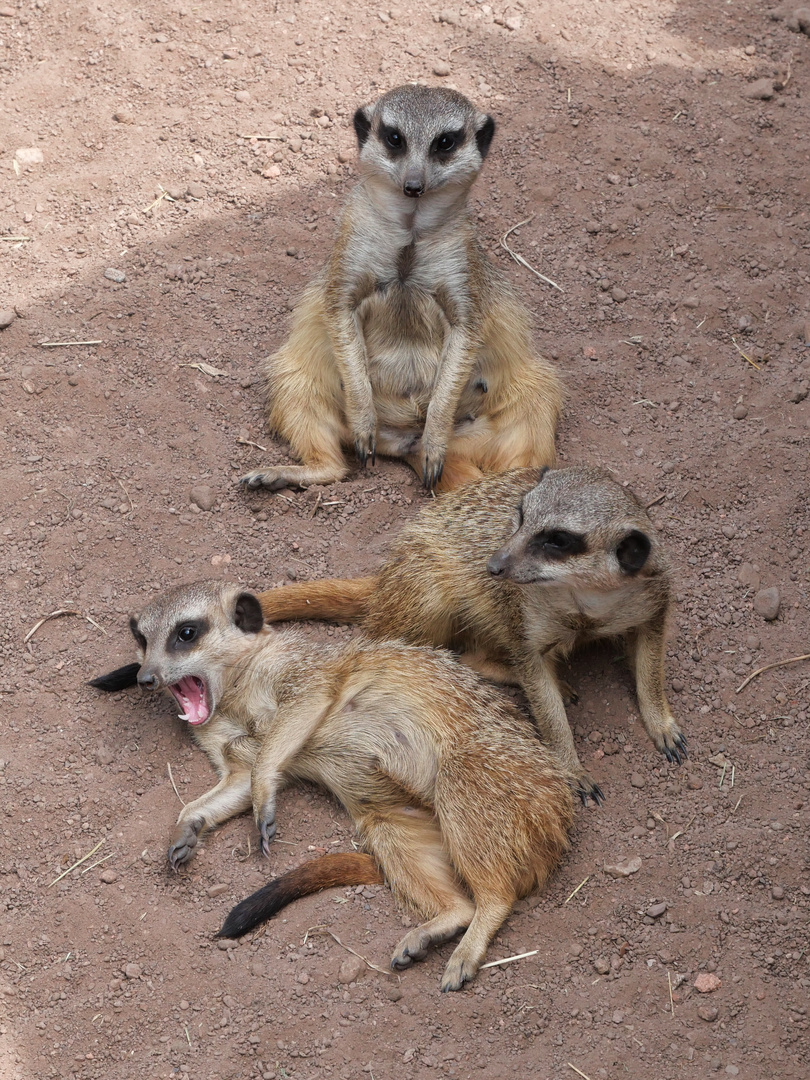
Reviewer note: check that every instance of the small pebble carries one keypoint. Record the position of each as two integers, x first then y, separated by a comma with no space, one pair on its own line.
694,783
133,971
655,911
619,295
202,495
393,993
668,467
344,156
512,22
351,970
441,69
624,868
109,877
709,1013
707,982
115,275
798,393
729,531
123,116
691,302
242,95
601,965
767,602
29,155
740,412
593,227
195,191
7,317
778,893
759,90
223,944
217,890
637,780
292,252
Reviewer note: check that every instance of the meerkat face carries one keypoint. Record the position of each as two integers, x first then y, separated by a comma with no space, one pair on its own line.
419,139
578,527
189,638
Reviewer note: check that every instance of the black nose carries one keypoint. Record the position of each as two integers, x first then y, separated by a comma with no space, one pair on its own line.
413,189
496,565
148,680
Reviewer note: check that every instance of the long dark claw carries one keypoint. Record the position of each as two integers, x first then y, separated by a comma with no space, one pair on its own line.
267,831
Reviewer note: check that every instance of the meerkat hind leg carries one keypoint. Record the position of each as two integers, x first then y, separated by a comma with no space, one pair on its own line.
470,952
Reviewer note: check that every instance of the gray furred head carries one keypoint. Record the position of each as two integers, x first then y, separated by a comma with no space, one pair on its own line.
422,138
578,526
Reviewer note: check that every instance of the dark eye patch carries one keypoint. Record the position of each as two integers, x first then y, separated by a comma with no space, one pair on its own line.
447,143
556,544
393,140
187,633
133,626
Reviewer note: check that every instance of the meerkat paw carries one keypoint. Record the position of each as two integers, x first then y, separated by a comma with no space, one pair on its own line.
270,479
414,946
433,465
459,971
672,743
267,830
183,842
586,788
365,447
568,693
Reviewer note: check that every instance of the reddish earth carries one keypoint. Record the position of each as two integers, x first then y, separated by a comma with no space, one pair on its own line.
671,206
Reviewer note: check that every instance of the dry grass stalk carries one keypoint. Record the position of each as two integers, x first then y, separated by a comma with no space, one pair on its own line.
671,1002
576,890
519,258
768,667
321,930
753,363
509,959
568,1063
250,442
58,615
177,793
60,344
78,862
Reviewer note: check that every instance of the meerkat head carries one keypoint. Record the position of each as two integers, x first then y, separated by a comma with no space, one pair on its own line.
422,138
188,639
578,527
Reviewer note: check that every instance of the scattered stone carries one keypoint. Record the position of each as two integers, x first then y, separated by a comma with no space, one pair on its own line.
202,495
512,22
223,944
760,90
344,156
619,295
593,227
351,970
272,172
195,191
740,412
624,868
109,877
778,893
217,890
729,531
709,1013
115,275
694,783
29,155
799,393
655,911
707,982
691,302
441,69
242,95
448,17
601,965
747,575
7,13
292,252
123,116
668,467
133,971
393,993
637,780
752,642
7,317
766,603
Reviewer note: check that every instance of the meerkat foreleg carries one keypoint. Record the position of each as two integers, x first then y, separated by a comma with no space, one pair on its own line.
454,372
292,726
539,679
230,797
647,650
352,362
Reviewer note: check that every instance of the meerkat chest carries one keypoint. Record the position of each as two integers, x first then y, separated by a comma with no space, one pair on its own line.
564,616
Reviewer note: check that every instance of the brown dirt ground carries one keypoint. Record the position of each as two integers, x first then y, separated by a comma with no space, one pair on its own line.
672,208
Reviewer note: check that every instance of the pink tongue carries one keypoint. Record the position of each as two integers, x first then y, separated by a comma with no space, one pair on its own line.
190,692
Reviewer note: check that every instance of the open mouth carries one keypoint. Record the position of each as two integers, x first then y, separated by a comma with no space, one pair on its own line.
192,696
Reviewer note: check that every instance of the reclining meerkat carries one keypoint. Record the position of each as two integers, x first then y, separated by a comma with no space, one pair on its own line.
514,572
410,343
459,805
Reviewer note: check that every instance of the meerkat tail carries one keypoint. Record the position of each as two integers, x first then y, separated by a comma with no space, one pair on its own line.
119,679
327,872
343,601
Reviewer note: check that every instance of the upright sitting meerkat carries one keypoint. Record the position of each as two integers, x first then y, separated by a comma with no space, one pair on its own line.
410,343
458,803
513,572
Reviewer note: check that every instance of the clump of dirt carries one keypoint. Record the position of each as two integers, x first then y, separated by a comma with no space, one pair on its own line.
172,178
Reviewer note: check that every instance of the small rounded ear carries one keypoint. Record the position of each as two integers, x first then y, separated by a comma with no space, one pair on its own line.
247,613
483,136
362,125
633,551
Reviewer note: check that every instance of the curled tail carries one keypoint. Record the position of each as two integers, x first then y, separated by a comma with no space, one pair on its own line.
342,601
325,873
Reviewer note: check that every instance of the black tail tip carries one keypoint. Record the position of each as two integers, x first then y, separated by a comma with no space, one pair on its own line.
120,679
235,925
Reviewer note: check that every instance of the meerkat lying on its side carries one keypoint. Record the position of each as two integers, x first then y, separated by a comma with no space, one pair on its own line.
453,795
410,343
514,572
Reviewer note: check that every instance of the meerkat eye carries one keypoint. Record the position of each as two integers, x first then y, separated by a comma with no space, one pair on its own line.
395,140
558,543
445,143
187,633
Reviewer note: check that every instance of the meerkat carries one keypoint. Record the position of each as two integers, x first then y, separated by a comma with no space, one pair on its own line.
513,573
456,801
410,343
